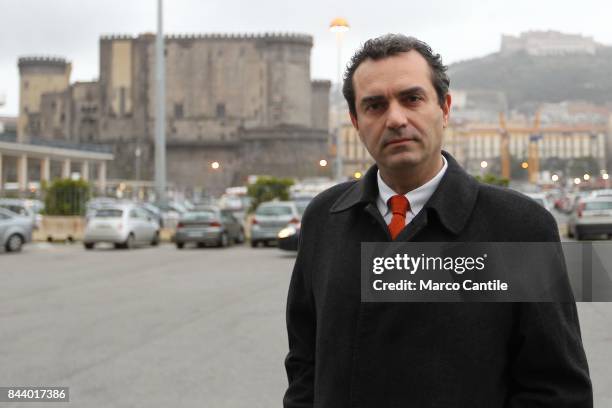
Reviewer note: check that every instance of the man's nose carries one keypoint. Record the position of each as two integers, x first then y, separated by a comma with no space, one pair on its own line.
396,116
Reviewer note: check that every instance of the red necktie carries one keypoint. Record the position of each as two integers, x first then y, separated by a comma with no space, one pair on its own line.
399,205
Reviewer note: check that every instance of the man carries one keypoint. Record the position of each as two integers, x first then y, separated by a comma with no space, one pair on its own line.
347,353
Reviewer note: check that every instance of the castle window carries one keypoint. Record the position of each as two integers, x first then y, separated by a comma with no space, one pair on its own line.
220,110
178,110
122,100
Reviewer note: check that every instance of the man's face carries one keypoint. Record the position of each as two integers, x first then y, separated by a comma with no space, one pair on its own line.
398,117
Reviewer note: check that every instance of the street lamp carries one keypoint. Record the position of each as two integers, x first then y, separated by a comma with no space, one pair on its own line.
357,175
484,164
577,180
323,163
586,177
215,165
339,26
555,178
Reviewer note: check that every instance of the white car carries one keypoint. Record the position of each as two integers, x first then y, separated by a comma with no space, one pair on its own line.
592,216
125,226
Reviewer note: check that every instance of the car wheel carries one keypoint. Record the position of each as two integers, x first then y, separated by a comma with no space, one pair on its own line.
180,245
14,243
240,238
88,245
129,242
155,241
224,240
201,245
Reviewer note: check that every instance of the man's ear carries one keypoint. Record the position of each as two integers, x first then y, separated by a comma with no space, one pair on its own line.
446,109
354,121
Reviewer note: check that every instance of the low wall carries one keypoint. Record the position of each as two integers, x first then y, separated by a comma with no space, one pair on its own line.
72,228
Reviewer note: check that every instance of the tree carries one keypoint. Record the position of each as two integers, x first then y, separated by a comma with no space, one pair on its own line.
67,197
267,189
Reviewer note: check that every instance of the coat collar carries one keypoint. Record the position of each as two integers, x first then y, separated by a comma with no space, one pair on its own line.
453,200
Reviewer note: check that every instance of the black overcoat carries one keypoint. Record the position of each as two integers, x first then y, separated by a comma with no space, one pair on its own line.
346,353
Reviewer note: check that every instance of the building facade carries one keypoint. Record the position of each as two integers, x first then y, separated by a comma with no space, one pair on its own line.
244,101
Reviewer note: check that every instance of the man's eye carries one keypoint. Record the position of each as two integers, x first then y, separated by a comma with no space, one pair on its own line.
414,98
374,107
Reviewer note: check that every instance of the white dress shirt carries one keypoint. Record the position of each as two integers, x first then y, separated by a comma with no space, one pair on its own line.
417,197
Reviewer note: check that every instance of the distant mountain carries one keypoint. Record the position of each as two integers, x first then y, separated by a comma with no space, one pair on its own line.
528,80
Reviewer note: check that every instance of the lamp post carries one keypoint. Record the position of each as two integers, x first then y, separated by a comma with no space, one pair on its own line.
160,109
339,26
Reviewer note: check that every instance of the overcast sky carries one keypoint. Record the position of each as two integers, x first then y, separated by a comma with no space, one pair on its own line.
458,29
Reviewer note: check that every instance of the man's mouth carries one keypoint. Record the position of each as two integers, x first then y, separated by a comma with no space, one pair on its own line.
400,140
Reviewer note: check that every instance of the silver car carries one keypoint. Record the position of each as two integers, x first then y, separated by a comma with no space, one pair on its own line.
592,216
208,226
271,217
25,208
125,226
15,230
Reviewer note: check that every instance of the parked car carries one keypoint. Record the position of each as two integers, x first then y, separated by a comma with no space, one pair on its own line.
208,226
289,237
124,225
270,217
154,212
604,192
15,230
593,216
24,208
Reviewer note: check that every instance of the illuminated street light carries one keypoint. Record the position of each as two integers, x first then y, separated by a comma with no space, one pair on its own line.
357,175
484,164
586,177
577,180
605,176
339,26
322,162
215,165
524,165
555,177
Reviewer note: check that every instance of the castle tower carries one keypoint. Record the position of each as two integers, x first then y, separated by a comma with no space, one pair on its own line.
37,76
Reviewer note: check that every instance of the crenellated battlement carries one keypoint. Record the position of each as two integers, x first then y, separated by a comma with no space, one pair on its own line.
116,37
267,36
42,61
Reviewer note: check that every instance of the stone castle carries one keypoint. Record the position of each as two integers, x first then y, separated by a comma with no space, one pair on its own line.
244,101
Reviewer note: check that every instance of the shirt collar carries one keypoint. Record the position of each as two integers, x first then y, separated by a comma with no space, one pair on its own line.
417,197
453,200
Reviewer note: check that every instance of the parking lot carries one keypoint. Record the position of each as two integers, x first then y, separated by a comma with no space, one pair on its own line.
159,327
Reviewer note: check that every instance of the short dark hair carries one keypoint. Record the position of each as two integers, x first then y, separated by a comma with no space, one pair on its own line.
389,45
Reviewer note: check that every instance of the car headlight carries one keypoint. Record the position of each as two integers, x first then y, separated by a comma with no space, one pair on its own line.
286,232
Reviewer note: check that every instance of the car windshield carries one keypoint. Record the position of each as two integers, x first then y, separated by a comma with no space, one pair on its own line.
274,210
198,216
15,208
109,213
598,205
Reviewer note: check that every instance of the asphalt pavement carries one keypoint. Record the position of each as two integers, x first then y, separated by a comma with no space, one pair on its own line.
159,327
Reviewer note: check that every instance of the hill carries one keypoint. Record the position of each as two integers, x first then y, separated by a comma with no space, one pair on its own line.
527,79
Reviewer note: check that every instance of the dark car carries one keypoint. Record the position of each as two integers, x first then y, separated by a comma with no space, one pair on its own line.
208,227
288,237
